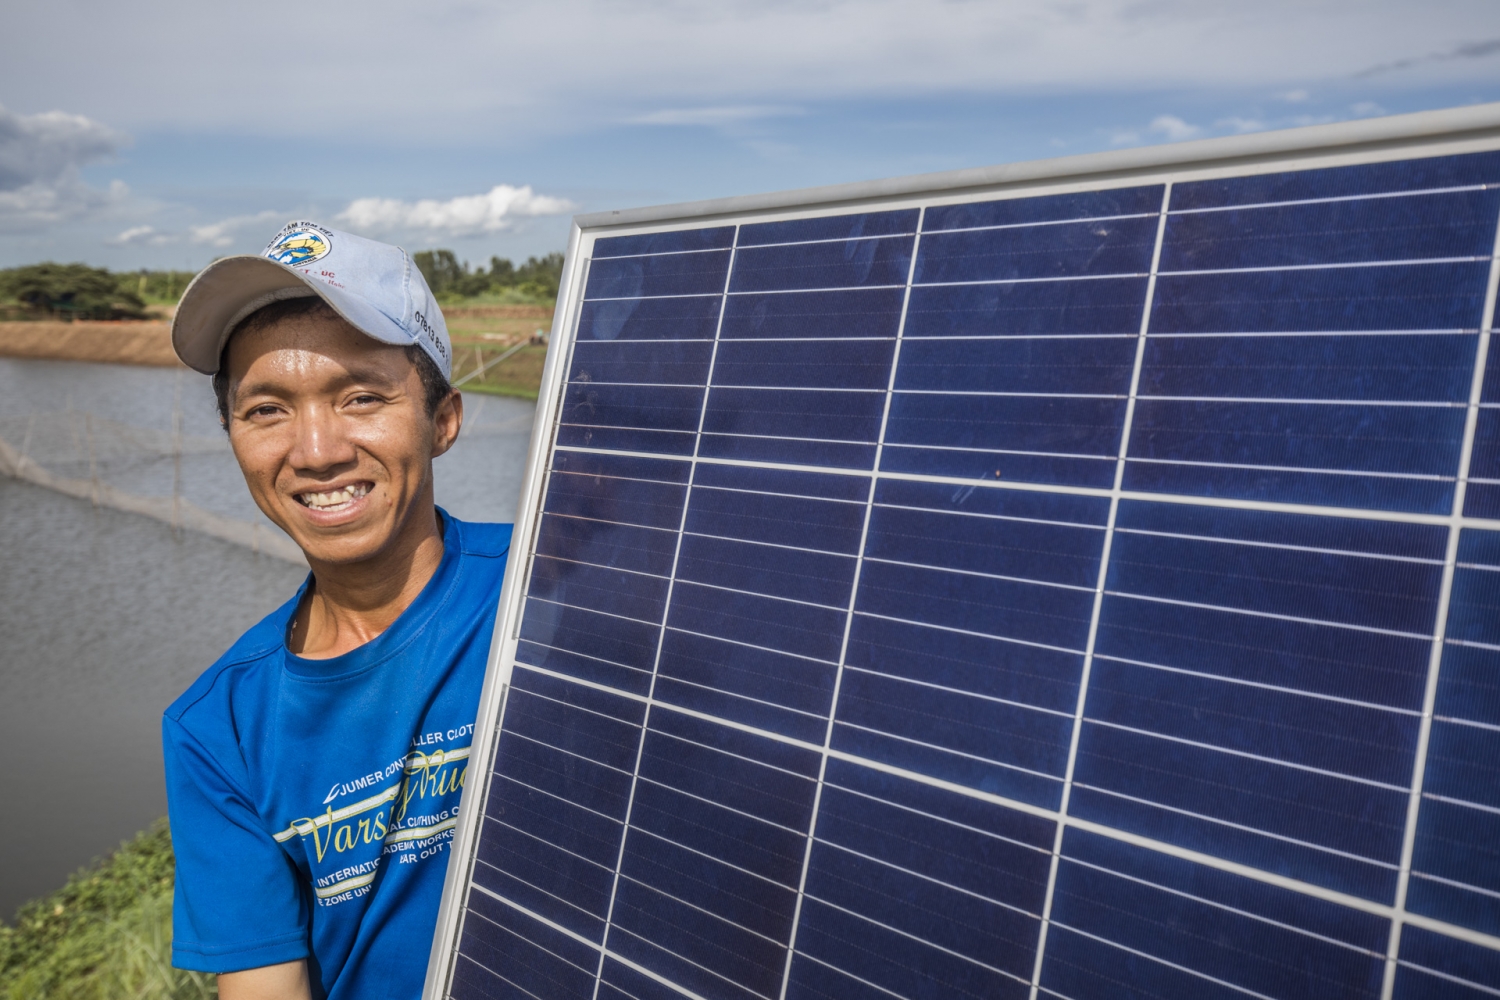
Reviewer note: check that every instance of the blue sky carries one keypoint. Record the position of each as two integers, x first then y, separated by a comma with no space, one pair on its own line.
163,134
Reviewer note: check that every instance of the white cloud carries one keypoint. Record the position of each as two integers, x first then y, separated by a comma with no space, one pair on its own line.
1294,96
229,232
1163,127
467,215
139,234
1234,123
572,64
40,156
1173,128
714,116
224,232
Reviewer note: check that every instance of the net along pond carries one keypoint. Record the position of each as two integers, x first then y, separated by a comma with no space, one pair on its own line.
131,556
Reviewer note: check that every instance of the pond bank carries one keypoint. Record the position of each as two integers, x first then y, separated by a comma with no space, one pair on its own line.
124,342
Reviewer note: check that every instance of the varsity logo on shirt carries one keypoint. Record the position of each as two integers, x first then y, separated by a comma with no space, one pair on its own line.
413,817
299,244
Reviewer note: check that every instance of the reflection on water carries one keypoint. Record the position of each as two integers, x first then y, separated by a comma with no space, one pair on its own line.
105,617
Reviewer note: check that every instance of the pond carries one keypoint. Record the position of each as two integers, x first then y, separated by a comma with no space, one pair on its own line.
106,616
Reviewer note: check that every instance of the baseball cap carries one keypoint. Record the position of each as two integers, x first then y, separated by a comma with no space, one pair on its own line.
373,285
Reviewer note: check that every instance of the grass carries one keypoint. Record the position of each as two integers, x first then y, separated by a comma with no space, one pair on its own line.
105,935
515,295
519,375
480,333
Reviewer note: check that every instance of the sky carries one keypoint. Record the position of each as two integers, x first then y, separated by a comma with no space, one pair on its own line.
163,134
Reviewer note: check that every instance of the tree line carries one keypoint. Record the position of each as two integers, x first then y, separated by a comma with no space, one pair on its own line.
77,291
448,279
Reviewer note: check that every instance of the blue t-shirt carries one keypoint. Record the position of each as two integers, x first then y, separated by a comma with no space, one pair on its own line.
312,801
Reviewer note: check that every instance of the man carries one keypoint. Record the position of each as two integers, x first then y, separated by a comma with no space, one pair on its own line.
314,772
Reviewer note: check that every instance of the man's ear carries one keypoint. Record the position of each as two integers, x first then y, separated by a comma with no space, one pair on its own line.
447,421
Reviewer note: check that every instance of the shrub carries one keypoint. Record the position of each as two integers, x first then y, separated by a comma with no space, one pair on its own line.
71,291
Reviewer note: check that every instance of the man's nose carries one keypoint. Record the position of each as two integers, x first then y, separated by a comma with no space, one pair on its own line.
321,443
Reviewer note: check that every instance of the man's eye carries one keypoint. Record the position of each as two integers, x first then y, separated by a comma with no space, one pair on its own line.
264,411
364,399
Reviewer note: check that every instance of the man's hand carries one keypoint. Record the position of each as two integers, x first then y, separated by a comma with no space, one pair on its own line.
287,981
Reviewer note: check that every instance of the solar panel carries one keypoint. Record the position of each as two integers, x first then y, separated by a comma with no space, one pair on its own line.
1084,585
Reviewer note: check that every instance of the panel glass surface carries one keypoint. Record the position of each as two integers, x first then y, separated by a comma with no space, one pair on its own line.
1087,596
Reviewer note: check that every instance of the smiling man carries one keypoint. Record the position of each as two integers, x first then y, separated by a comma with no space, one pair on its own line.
314,772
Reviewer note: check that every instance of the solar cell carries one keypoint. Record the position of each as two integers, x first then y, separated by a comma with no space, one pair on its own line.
1082,594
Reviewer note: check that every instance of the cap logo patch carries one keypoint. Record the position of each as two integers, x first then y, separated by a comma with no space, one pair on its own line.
299,247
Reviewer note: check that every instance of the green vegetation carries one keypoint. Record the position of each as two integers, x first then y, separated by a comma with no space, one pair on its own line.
519,375
534,282
162,288
77,291
69,291
106,935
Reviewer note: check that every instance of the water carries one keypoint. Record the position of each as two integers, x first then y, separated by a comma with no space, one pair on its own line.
105,617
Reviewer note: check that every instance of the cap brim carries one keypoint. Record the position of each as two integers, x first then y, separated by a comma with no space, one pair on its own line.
228,290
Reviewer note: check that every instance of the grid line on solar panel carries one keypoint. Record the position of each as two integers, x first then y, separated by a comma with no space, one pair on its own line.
1419,476
1219,905
1241,869
1232,503
973,282
1293,399
1447,978
511,957
749,645
1253,505
945,749
1243,827
956,630
843,652
742,697
1373,196
980,573
963,691
1455,720
709,857
610,920
1424,831
906,934
833,239
1301,619
1282,688
1349,265
1048,222
644,298
1250,756
558,928
1134,982
1068,776
1243,334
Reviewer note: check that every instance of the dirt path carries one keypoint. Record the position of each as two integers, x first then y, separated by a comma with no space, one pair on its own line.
127,343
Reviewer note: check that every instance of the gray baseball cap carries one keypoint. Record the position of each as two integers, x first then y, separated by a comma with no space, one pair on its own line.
373,285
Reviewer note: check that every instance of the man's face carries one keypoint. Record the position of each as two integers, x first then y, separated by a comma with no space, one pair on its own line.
331,431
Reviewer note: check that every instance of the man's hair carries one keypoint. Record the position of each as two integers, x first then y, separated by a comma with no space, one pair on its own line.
435,387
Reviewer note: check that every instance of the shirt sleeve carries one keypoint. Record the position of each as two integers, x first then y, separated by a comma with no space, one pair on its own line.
238,902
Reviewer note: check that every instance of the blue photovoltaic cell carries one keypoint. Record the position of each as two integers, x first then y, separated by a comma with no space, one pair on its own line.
679,240
1483,499
1427,174
935,602
833,227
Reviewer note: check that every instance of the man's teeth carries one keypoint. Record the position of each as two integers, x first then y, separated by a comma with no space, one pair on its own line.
334,499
